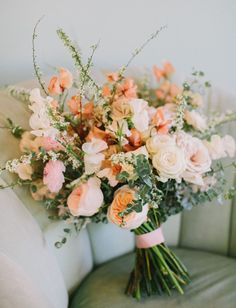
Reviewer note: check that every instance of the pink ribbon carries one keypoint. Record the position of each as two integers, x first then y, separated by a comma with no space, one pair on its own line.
150,239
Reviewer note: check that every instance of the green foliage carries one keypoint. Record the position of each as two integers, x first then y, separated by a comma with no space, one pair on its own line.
15,130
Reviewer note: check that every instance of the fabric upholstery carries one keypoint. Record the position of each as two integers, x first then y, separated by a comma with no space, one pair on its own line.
75,258
17,289
23,242
212,227
213,284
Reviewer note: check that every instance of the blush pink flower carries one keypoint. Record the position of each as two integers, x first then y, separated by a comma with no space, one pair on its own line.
49,144
86,199
53,175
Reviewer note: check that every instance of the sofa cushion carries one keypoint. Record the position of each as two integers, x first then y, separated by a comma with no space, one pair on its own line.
75,258
213,284
17,288
22,241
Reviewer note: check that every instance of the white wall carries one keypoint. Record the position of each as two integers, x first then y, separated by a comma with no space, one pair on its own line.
201,33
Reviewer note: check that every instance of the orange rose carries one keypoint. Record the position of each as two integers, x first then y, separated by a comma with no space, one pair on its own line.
123,197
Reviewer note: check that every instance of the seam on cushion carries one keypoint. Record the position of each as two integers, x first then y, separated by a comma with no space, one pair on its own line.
231,224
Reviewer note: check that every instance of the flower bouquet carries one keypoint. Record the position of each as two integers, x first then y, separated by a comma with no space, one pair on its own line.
131,151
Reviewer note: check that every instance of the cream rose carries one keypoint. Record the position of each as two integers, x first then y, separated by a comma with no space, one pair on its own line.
154,143
169,161
86,199
196,120
122,198
140,118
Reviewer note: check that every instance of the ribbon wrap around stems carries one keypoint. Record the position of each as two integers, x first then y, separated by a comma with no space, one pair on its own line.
150,239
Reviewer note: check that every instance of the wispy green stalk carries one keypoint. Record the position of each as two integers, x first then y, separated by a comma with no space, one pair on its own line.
19,93
77,58
136,52
37,71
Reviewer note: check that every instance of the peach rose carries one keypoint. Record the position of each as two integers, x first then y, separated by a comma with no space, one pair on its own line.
24,171
86,199
122,198
120,109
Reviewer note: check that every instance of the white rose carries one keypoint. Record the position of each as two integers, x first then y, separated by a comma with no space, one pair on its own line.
140,118
196,120
169,161
156,142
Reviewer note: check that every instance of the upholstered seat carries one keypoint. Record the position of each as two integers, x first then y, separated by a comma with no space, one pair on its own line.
213,284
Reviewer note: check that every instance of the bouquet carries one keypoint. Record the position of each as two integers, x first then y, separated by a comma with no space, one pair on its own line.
130,151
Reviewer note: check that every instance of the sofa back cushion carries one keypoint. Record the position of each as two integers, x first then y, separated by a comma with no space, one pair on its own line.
17,288
27,256
212,227
74,258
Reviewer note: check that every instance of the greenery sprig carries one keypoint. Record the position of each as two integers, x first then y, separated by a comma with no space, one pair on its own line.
78,59
37,71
